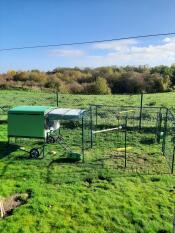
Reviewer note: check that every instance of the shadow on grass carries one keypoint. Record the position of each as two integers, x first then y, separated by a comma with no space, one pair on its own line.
3,122
60,161
147,141
63,160
6,149
21,157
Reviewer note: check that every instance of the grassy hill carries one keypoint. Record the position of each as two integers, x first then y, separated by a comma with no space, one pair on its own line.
79,198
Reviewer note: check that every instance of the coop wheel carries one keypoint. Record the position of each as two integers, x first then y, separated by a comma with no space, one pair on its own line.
50,140
34,153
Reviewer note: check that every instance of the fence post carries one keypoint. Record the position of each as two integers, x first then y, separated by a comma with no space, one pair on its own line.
96,113
82,125
141,108
126,121
165,132
158,126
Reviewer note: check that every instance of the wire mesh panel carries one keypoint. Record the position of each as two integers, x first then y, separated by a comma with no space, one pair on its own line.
144,151
169,139
14,98
116,115
82,101
87,129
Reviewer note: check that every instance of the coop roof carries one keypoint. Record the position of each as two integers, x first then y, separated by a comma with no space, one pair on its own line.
30,109
65,114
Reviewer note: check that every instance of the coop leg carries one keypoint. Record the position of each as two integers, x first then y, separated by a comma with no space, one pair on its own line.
43,151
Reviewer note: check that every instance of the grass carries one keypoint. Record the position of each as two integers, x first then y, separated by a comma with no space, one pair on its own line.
98,196
15,97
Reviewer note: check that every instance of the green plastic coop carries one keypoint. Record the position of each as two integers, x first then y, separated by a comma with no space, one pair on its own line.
27,121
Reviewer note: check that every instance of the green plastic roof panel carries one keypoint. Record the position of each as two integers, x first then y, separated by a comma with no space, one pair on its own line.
65,114
30,109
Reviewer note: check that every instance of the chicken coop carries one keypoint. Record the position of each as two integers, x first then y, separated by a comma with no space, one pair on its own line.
40,122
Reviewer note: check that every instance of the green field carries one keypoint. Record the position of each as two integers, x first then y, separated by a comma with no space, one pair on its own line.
12,98
97,196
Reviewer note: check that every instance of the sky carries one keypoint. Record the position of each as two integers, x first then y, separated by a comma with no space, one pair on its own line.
39,22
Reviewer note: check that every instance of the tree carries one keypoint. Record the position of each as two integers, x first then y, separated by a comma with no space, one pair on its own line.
101,80
172,77
53,82
101,86
21,76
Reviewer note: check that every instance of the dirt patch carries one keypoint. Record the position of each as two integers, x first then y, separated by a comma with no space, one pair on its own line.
8,204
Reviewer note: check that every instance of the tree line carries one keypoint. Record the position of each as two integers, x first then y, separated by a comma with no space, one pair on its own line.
102,80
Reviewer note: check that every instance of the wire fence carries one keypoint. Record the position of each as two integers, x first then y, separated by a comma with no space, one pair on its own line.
14,98
9,99
150,131
148,127
83,101
168,146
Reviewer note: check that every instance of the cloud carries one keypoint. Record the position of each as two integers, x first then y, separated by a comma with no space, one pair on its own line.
119,53
67,52
123,53
169,39
120,46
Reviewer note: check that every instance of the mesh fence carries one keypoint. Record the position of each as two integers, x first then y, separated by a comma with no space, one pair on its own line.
83,101
145,137
9,99
148,128
14,98
137,117
169,139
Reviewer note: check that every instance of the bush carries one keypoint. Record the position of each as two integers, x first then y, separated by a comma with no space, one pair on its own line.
75,88
53,82
102,80
101,87
64,89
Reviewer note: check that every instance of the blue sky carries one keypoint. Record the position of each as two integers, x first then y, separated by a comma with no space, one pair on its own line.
35,22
